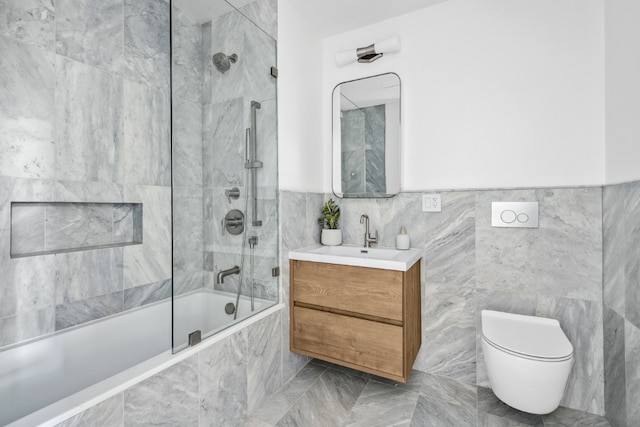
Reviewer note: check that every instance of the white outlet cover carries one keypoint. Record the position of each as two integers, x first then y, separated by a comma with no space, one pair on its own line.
431,203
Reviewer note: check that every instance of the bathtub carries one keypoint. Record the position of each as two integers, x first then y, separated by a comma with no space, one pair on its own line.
47,380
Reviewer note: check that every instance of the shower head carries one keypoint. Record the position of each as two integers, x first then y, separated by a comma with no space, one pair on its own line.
223,62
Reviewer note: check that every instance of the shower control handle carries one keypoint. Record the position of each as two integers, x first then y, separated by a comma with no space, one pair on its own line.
233,222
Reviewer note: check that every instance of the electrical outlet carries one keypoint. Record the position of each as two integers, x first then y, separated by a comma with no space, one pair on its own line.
431,203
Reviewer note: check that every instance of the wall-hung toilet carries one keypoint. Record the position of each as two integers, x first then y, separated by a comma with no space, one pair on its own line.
528,360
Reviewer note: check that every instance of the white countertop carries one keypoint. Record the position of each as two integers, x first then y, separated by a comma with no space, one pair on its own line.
358,256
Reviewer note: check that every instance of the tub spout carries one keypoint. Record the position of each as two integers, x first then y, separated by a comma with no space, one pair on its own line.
224,273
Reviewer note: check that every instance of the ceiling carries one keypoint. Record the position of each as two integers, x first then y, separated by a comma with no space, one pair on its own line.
331,17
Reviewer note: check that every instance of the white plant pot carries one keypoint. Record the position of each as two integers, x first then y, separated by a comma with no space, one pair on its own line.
331,237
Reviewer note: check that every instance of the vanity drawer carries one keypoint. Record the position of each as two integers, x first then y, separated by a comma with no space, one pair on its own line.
372,292
361,342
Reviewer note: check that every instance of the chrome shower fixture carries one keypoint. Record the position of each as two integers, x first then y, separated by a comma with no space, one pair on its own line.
223,62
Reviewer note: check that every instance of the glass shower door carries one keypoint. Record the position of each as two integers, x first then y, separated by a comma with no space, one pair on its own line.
224,168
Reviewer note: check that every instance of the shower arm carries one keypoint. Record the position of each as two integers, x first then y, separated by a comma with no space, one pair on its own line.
252,163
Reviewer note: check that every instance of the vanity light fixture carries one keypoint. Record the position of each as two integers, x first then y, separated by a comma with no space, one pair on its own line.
369,53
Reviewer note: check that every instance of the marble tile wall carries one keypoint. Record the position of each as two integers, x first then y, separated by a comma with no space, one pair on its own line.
85,121
227,115
188,236
553,271
621,292
222,384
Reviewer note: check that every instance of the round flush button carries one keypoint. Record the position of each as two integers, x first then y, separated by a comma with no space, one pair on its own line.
508,216
523,217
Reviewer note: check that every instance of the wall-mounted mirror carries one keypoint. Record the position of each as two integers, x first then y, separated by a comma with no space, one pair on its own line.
367,137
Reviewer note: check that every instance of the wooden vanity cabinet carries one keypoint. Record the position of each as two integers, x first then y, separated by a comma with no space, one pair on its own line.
363,318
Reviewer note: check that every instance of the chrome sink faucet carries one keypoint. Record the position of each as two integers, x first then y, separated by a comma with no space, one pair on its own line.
368,240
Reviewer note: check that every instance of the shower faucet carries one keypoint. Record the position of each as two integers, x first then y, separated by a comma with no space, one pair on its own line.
228,272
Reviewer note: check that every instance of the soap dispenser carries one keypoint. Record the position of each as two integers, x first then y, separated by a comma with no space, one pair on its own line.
402,240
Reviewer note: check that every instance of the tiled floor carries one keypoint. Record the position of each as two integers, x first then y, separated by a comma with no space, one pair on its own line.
327,395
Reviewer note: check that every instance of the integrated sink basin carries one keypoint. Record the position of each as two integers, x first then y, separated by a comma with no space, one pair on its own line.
358,256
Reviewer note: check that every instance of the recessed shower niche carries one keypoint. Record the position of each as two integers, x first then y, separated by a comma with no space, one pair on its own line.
47,228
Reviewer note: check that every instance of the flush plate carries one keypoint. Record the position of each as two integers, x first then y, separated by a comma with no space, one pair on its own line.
514,214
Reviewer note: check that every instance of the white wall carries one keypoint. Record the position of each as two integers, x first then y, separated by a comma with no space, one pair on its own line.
300,166
496,93
622,44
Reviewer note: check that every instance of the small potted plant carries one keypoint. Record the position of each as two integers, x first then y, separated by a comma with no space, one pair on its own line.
331,233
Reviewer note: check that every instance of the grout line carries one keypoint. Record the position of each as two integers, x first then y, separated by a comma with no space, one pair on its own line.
301,394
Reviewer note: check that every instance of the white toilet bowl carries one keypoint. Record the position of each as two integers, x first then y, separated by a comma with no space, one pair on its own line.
528,360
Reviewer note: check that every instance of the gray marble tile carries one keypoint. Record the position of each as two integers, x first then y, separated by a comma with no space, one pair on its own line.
27,111
28,284
255,422
439,413
146,135
259,55
263,13
187,243
632,255
343,369
138,226
267,145
581,321
449,332
293,213
91,32
613,246
146,42
614,368
490,420
500,301
27,228
187,65
489,404
98,192
267,212
108,413
314,202
327,402
123,222
414,384
279,403
228,34
26,325
504,255
78,225
29,21
85,310
89,123
374,152
88,274
264,360
187,154
450,249
401,210
168,398
223,382
568,244
151,261
228,137
382,405
449,390
562,417
147,294
353,179
632,359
